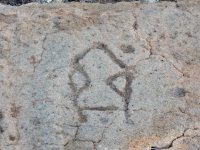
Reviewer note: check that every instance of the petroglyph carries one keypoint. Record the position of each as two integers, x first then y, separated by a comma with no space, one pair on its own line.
78,67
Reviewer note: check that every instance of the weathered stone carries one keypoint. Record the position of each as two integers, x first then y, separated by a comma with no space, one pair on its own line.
100,77
22,2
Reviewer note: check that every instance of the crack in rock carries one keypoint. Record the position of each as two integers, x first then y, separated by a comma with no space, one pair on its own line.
41,56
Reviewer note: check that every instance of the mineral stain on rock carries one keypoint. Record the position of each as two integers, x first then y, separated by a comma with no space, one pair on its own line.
1,130
104,120
36,121
127,48
11,137
179,92
15,111
1,115
8,19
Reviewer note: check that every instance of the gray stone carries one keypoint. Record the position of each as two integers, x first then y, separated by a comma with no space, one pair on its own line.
79,76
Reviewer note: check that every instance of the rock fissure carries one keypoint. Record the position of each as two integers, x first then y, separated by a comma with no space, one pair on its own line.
41,56
177,138
95,143
183,74
135,27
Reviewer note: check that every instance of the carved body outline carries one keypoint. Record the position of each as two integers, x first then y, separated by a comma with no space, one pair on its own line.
128,76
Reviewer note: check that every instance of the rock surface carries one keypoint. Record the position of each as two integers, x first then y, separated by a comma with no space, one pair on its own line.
122,76
22,2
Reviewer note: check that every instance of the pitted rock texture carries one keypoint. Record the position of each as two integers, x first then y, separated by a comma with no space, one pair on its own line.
122,76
